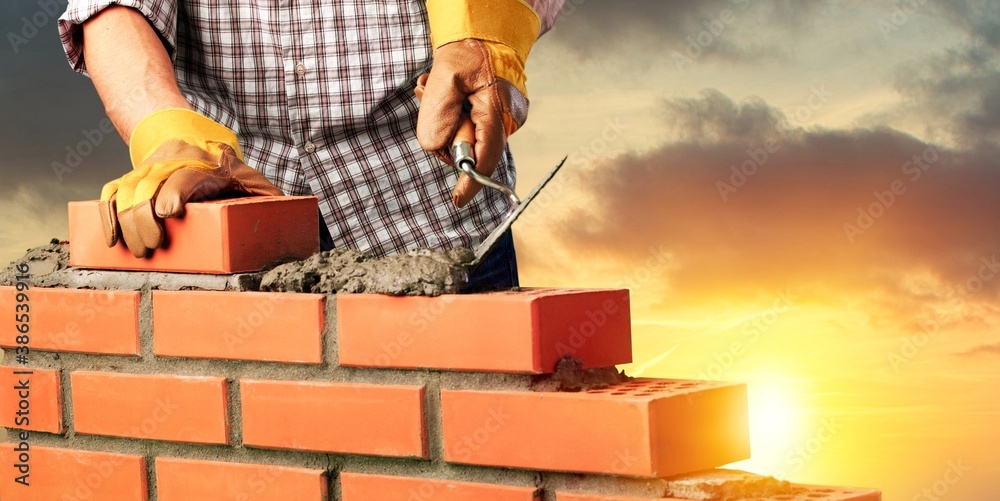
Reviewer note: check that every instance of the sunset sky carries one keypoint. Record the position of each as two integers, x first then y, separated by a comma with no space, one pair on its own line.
807,200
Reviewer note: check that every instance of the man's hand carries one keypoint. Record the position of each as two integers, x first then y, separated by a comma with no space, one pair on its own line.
178,156
480,48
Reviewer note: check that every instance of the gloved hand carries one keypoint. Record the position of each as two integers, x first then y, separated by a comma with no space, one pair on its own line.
480,48
178,156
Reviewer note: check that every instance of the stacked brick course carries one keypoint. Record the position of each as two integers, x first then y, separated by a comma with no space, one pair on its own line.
150,394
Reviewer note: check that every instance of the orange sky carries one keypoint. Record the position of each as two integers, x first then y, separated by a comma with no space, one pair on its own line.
852,259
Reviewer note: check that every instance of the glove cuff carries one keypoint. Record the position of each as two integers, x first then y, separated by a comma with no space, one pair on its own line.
509,22
177,124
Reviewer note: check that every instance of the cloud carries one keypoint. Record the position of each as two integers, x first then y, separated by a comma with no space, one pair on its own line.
957,94
654,29
953,91
983,349
715,117
980,18
755,204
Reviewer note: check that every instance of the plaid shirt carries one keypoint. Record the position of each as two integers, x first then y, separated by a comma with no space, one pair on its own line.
321,96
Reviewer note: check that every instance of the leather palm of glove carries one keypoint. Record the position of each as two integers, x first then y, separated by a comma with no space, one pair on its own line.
480,48
178,156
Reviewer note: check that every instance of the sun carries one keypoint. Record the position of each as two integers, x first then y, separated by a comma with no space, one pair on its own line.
776,420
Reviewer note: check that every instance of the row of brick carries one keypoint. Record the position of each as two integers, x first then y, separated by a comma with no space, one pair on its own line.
520,332
74,474
216,236
647,427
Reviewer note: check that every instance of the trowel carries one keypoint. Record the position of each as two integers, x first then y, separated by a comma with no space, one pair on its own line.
465,162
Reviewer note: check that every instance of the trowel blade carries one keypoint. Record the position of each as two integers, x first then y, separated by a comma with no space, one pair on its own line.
491,240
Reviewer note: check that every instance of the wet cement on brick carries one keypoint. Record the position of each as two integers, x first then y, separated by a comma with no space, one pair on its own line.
571,376
730,485
420,272
416,273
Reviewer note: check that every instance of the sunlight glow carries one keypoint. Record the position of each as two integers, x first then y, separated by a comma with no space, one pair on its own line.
776,425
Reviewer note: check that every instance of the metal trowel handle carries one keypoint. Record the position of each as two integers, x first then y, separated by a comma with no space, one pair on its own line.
463,154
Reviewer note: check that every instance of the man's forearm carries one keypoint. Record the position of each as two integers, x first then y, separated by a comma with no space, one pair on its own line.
130,67
548,11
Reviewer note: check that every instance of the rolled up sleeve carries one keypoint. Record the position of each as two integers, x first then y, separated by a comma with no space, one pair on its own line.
162,15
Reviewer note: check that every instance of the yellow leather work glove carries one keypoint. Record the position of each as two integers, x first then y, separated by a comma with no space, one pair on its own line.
480,48
178,156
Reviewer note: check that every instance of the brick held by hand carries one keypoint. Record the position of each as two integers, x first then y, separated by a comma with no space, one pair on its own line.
218,236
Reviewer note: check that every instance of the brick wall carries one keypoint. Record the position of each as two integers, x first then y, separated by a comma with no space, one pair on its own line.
139,393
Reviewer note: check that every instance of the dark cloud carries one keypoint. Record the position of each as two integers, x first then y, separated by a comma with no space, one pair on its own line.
655,30
957,91
715,117
766,28
812,210
980,18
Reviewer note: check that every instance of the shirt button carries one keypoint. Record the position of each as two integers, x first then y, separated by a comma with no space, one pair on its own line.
309,146
300,69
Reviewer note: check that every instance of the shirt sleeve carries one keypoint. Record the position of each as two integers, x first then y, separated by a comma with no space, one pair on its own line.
162,15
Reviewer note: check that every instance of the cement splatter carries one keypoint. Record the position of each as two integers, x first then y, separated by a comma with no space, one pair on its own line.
42,261
571,376
729,485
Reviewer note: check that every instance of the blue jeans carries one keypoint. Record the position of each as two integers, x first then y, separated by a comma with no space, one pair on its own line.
497,271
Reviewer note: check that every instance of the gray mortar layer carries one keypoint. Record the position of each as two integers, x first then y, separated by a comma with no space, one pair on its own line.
416,273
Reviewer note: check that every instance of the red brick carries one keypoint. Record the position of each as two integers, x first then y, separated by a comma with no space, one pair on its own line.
360,487
219,236
44,412
160,407
381,420
282,327
526,331
195,480
79,320
647,427
67,474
